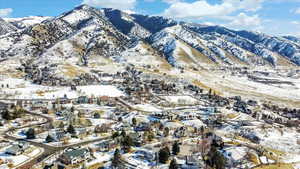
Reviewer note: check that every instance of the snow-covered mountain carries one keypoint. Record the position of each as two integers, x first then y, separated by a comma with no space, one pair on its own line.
6,27
79,36
126,24
22,23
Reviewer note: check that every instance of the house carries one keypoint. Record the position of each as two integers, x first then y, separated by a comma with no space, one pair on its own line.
14,150
104,128
82,100
136,138
163,115
36,105
75,156
208,110
125,127
59,135
104,100
187,116
145,154
64,100
17,149
107,101
4,143
180,132
143,127
105,146
191,162
80,131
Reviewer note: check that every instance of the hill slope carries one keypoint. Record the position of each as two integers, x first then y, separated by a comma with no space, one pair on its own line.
86,35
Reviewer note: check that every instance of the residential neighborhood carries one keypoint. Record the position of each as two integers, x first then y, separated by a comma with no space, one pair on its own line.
140,125
149,84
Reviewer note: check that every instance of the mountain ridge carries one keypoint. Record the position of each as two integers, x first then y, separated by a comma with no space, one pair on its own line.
86,31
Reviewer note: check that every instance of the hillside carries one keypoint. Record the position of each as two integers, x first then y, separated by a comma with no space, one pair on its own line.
85,40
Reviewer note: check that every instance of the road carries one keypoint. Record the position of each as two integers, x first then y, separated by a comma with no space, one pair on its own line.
48,149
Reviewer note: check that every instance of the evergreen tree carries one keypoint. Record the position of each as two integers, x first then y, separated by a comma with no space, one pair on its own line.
97,116
150,136
173,164
127,143
45,111
72,109
166,131
123,133
163,155
115,135
116,159
49,139
71,129
216,158
98,101
30,134
61,125
175,148
209,92
134,122
220,161
6,115
202,132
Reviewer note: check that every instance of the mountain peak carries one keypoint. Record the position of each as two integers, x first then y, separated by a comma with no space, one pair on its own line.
83,7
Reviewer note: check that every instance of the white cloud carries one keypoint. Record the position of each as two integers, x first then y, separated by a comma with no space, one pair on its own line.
117,4
242,20
297,11
171,1
280,1
250,5
295,22
201,8
224,11
198,9
5,12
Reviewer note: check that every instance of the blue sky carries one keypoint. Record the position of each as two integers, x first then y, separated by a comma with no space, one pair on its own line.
270,16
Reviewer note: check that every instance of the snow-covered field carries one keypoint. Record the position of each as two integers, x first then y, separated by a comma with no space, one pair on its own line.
193,123
285,141
229,85
96,122
146,108
180,99
21,89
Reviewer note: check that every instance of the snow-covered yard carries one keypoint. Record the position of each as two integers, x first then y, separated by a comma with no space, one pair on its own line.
20,159
101,158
